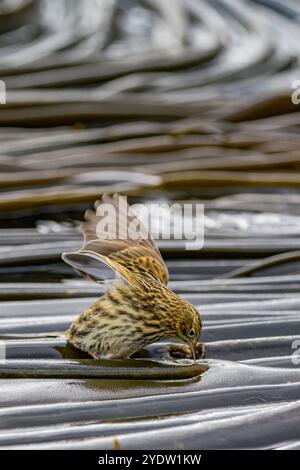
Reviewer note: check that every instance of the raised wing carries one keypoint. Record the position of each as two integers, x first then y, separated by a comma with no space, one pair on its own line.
115,240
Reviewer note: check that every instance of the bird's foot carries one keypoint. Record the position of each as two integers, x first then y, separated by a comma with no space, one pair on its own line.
183,351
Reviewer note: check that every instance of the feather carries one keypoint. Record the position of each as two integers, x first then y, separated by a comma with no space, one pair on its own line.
121,249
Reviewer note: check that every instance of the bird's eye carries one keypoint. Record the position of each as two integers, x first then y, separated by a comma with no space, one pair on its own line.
192,333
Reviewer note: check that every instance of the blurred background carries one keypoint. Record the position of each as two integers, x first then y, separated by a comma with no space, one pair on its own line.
173,100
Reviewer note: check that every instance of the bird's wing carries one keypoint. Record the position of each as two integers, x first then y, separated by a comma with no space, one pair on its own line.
112,242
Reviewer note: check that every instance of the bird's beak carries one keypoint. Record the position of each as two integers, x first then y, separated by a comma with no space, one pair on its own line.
193,349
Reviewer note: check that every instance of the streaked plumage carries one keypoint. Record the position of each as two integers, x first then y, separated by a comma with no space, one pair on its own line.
139,308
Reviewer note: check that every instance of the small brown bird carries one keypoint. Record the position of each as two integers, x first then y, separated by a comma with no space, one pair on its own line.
139,308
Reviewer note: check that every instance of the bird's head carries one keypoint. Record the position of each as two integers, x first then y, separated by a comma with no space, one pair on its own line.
189,326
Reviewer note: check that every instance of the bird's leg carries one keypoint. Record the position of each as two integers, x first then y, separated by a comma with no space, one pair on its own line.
183,351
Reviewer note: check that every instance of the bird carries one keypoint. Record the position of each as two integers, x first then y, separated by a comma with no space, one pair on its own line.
138,308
